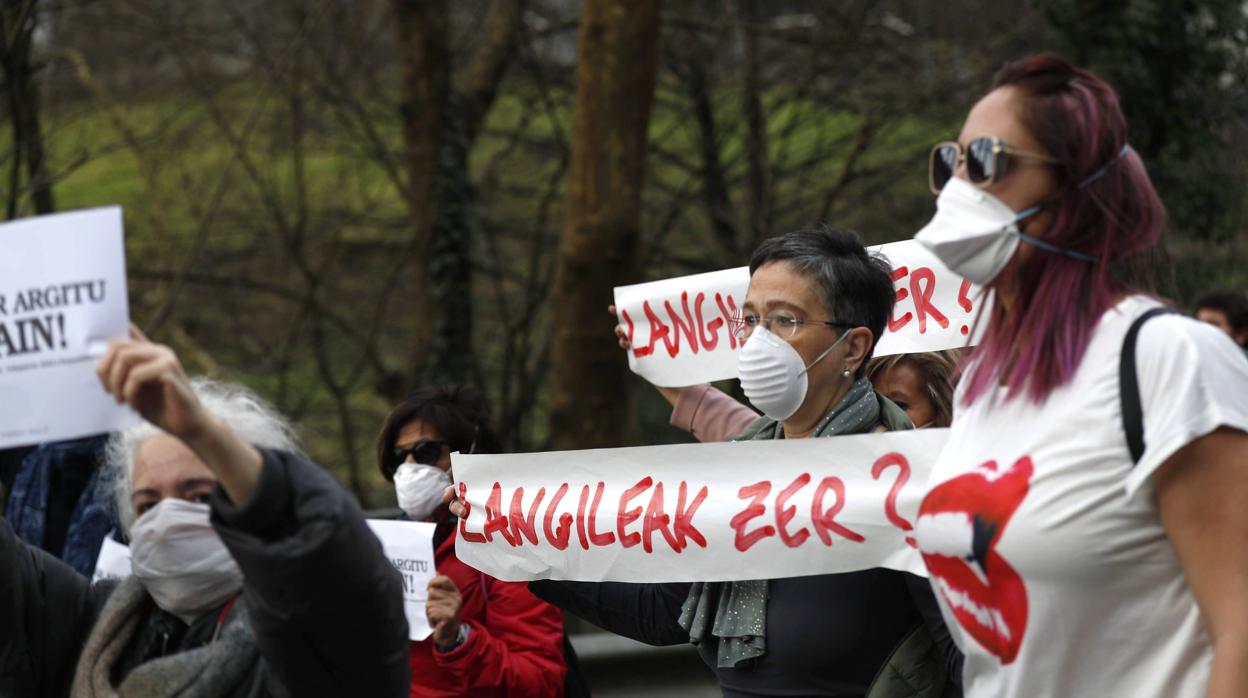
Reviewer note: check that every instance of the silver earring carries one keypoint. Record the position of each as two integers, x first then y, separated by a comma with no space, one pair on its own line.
845,372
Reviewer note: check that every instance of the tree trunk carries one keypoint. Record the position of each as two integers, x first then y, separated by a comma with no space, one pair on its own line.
442,117
759,175
18,19
424,64
617,57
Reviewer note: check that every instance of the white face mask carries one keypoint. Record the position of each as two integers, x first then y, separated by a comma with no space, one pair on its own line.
975,234
180,559
419,488
773,375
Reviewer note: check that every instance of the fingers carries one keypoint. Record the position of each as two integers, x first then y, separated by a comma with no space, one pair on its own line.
442,583
456,505
119,361
136,334
141,376
458,509
620,335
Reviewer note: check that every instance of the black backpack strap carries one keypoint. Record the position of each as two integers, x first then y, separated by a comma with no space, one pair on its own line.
1129,386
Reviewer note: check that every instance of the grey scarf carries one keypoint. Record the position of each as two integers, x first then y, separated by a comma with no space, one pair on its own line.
738,620
211,671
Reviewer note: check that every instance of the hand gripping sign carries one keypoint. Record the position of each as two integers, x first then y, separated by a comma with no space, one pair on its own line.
680,332
697,512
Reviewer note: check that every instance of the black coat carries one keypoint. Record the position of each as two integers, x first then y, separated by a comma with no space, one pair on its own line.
325,604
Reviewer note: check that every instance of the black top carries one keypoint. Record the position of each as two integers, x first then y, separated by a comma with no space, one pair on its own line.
325,604
827,635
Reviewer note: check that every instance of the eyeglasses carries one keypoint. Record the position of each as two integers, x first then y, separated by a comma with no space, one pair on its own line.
987,161
781,323
423,452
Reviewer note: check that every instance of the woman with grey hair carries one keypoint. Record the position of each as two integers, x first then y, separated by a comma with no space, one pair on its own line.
254,573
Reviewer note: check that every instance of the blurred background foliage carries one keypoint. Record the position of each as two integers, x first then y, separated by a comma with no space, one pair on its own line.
336,201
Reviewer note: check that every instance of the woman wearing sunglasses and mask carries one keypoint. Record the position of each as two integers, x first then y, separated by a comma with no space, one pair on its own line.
816,303
1075,554
490,638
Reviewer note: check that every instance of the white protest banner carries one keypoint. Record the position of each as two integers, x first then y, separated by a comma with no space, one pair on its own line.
409,547
679,327
62,299
697,512
113,561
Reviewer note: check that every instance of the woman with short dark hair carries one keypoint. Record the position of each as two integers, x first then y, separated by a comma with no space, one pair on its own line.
816,304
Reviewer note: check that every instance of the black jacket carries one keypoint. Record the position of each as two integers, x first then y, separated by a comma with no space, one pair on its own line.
325,604
874,610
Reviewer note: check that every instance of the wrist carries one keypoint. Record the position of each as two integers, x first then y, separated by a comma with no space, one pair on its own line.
461,636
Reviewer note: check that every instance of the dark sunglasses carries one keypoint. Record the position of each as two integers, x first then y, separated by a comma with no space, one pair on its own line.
423,452
987,160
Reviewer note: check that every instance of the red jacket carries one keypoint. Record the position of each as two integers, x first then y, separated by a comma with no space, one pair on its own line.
515,647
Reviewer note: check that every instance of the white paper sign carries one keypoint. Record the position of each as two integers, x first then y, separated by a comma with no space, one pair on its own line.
62,299
697,512
113,562
679,327
409,547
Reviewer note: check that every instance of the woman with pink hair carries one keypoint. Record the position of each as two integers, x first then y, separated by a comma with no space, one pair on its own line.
1084,526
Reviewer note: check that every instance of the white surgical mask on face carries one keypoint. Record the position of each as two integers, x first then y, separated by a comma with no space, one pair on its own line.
419,488
180,559
974,233
773,375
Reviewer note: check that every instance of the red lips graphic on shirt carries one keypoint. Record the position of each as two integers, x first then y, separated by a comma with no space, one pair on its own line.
986,595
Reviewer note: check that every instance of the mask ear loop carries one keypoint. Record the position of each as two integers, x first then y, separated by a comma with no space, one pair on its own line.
1050,247
825,352
1104,168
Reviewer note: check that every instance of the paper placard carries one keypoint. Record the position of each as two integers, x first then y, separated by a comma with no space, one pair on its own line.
62,300
409,547
113,561
680,333
697,512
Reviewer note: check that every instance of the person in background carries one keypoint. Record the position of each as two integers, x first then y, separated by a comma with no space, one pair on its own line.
1076,549
1228,311
10,463
490,638
254,572
921,383
816,304
61,500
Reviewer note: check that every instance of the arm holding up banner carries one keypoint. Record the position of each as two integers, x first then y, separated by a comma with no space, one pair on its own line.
644,612
702,410
710,414
150,378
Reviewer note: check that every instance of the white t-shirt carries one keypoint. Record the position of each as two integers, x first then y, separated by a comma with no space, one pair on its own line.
1044,544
